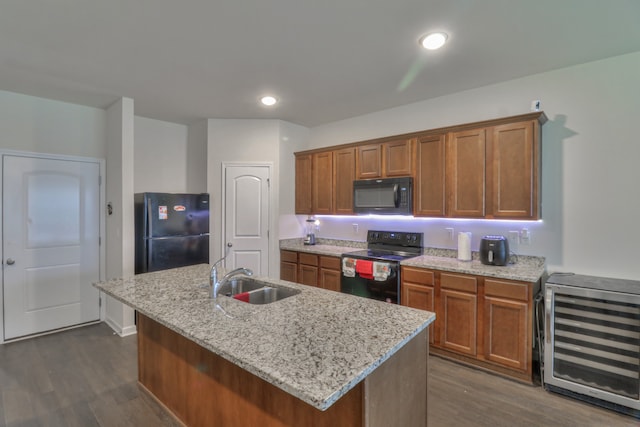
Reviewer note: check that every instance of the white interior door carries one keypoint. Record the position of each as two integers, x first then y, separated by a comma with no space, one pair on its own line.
51,255
247,218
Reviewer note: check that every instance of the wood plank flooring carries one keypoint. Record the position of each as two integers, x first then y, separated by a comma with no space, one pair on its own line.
88,377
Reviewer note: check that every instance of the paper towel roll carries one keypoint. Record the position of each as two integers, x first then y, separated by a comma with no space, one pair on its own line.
464,246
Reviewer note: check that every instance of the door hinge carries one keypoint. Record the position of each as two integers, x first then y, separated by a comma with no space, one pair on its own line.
99,180
267,234
269,182
99,302
99,241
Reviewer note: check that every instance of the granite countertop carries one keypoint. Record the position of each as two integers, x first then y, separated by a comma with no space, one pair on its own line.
316,345
525,268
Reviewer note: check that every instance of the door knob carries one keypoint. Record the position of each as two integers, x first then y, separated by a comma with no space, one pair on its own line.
10,261
229,244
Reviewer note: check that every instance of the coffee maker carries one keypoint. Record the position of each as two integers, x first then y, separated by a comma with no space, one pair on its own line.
310,235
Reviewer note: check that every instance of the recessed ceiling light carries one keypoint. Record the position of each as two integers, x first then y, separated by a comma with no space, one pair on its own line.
433,41
268,100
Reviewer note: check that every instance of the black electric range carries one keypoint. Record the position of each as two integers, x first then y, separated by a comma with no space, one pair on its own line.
385,250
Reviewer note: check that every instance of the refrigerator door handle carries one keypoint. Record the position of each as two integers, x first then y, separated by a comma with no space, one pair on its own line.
149,234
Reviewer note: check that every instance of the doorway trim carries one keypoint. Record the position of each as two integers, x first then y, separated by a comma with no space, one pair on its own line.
102,219
273,209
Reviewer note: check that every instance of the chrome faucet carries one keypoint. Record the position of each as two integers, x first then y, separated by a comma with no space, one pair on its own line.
213,276
217,284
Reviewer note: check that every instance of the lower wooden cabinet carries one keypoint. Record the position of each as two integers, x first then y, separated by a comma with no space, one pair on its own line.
458,305
479,320
418,291
308,269
289,266
506,314
330,272
311,269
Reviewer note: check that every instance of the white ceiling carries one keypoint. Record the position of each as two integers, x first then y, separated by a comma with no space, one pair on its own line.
327,60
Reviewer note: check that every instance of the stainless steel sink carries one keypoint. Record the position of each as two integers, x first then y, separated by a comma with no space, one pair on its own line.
266,295
239,286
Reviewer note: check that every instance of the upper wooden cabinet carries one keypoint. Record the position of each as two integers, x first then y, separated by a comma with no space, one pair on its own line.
344,172
322,183
387,159
513,167
303,183
429,185
487,169
466,173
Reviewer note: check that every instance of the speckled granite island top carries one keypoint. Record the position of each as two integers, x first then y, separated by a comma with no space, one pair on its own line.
316,345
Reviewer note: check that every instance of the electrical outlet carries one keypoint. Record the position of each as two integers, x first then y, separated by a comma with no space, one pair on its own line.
514,238
355,228
525,236
450,232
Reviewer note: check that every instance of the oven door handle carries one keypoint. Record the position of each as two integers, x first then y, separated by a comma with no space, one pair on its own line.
396,196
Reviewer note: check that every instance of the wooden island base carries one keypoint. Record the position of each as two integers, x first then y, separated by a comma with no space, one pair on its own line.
203,389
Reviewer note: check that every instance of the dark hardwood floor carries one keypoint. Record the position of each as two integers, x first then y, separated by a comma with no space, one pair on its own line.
87,377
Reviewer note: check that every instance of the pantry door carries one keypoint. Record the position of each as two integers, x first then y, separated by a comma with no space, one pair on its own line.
51,253
246,209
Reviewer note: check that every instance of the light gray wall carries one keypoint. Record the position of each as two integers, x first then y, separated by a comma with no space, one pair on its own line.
258,141
160,156
196,172
40,125
292,138
590,196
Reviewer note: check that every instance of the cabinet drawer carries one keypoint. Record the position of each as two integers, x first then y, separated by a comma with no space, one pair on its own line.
330,262
459,283
418,276
307,259
289,256
510,290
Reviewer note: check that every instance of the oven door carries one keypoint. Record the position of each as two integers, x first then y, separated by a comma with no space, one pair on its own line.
383,290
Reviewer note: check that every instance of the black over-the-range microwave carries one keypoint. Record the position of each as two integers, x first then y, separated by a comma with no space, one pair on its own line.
389,196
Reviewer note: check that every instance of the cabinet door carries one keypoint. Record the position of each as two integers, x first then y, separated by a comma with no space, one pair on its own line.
288,271
466,173
369,161
430,176
330,279
512,171
417,291
308,269
344,167
308,275
458,307
459,321
322,179
507,325
397,158
303,184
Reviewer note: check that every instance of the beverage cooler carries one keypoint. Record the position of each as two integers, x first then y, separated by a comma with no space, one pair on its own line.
592,340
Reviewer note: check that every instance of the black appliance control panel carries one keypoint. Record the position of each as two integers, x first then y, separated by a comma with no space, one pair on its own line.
396,238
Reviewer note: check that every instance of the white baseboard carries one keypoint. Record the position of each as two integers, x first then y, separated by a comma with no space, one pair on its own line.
121,331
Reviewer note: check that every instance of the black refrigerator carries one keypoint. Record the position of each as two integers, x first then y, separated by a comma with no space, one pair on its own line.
172,230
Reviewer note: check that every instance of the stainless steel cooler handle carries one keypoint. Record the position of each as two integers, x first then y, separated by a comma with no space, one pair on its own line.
547,315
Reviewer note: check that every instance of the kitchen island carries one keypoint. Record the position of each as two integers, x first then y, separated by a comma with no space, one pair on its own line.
315,358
